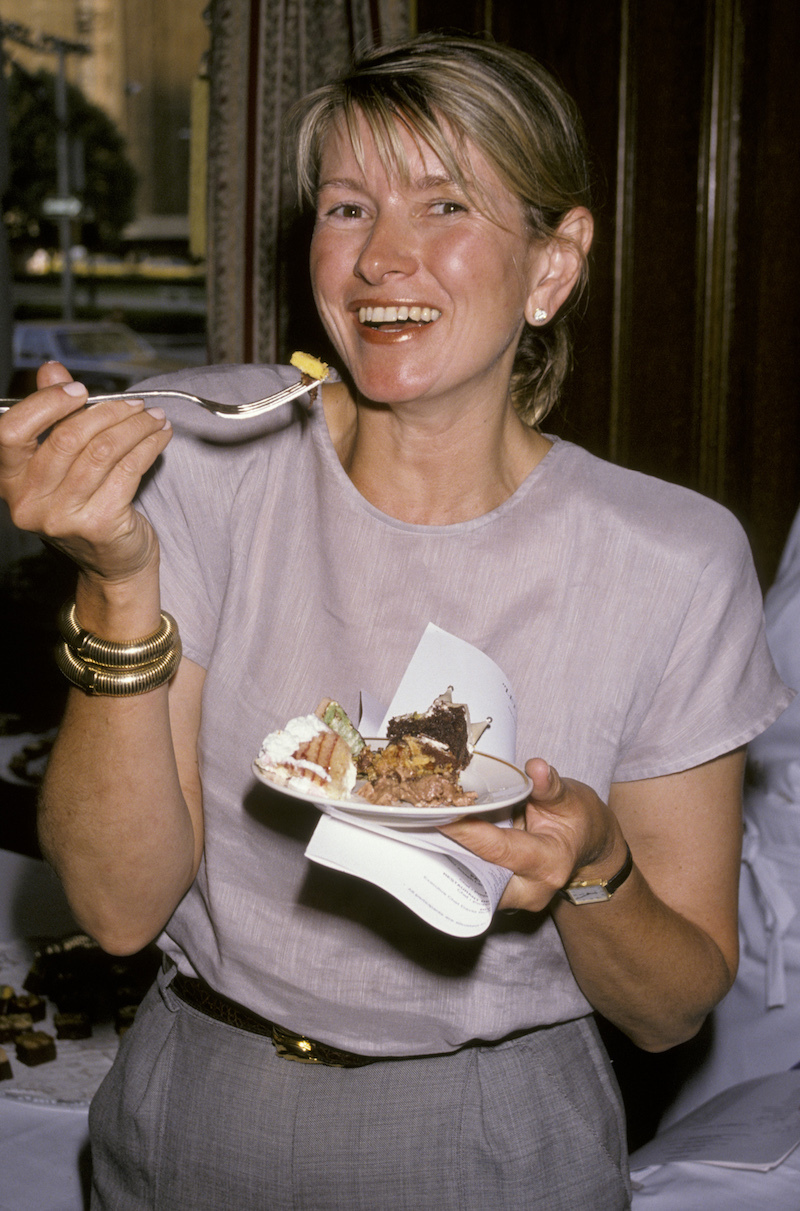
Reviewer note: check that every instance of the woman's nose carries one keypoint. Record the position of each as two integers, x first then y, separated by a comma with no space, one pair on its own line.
388,249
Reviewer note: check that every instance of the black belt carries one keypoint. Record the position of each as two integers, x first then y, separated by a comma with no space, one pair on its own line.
200,996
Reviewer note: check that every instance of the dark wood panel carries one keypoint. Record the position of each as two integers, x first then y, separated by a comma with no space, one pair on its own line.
688,359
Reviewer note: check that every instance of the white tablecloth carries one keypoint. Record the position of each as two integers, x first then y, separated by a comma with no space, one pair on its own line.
687,1186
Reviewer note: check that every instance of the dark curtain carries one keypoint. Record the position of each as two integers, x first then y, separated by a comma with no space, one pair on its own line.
264,55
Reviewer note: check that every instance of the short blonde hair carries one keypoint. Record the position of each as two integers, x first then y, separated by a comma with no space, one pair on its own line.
450,92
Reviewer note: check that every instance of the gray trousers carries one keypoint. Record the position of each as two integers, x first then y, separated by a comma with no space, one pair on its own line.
200,1116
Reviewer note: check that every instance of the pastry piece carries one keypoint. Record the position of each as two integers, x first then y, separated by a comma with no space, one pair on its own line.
310,366
337,719
72,1025
307,755
13,1025
5,1066
35,1047
6,998
123,1019
80,978
32,1003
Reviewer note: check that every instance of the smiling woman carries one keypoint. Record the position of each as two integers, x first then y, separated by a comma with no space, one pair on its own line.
307,554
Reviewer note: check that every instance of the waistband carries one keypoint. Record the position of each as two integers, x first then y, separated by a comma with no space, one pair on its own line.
289,1046
198,995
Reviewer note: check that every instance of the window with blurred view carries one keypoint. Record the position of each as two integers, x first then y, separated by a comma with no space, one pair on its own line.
105,124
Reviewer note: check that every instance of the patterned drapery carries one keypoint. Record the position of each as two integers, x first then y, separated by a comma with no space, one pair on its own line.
264,55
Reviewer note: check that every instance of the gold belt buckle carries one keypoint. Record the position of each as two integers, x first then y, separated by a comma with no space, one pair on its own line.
294,1046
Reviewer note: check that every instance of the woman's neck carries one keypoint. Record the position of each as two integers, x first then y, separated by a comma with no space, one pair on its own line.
426,469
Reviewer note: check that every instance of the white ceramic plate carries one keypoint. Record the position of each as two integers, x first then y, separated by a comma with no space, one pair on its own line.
497,783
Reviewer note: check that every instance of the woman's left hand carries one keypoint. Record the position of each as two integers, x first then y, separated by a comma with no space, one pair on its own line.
565,832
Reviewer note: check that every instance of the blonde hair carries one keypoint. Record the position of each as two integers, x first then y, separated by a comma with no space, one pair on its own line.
450,92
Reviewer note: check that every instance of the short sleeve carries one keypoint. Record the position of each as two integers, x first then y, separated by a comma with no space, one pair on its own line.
192,495
719,688
193,541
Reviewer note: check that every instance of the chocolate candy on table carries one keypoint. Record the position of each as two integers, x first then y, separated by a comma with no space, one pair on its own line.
32,1003
35,1047
72,1025
14,1024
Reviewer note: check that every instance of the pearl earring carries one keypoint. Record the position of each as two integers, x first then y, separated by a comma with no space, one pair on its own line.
539,315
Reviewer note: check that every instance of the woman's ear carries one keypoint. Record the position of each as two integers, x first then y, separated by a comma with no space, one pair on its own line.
558,267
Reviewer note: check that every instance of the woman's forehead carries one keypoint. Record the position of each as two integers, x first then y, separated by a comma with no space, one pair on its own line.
406,156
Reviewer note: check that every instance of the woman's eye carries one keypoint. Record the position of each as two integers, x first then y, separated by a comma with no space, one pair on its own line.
346,210
448,207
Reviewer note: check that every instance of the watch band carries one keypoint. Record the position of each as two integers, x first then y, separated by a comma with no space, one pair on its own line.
596,891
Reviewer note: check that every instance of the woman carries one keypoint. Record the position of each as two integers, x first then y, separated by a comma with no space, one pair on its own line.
452,230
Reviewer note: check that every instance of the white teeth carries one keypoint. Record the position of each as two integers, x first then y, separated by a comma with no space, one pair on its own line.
393,315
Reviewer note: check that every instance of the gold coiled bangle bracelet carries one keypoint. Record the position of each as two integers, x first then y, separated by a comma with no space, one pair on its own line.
132,654
118,670
116,682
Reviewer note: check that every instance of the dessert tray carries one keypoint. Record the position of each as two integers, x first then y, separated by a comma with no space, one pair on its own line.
498,785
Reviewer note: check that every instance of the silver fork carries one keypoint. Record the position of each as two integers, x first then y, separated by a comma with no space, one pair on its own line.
230,411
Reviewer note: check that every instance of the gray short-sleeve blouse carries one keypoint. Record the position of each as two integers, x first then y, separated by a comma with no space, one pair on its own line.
625,612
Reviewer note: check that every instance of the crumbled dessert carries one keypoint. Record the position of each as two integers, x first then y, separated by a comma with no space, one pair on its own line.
425,754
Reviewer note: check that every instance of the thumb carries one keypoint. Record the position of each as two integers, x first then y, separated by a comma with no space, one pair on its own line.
547,786
51,373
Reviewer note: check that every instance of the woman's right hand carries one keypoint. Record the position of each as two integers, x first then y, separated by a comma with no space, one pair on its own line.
70,473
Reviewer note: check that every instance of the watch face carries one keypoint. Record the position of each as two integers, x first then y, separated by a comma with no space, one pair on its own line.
593,894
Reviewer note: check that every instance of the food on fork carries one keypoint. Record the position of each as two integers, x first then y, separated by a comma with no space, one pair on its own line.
310,366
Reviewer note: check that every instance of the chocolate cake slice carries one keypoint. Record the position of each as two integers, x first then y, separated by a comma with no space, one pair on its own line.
444,726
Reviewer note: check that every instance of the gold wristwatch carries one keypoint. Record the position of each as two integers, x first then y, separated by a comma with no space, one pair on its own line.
597,891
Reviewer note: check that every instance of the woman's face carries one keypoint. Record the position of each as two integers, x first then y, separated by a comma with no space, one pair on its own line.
423,295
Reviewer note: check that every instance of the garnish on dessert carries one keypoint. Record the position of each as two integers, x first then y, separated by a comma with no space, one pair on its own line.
420,764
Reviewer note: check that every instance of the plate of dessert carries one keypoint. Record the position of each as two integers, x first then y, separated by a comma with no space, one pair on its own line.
425,771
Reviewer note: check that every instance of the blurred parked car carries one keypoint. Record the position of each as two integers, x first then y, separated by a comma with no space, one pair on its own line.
105,356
